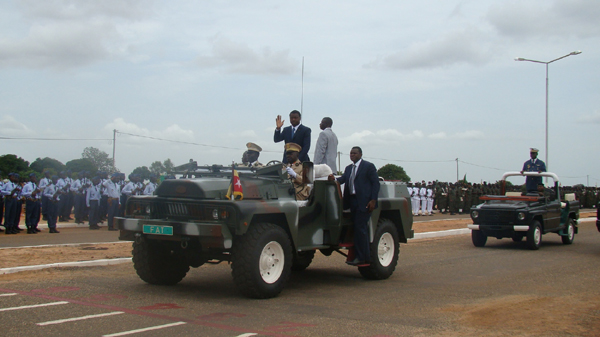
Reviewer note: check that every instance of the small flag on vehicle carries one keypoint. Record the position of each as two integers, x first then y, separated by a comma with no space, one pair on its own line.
235,191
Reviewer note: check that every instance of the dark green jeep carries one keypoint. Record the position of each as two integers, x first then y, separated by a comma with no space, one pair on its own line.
531,215
190,222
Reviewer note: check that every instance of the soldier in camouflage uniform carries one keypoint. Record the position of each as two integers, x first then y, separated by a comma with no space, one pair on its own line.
466,198
454,198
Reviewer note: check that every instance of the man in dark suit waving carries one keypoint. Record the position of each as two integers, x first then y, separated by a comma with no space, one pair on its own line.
360,195
296,133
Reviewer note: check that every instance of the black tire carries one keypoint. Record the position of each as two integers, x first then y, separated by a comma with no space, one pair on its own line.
567,240
517,237
534,236
384,252
479,239
253,251
156,263
302,260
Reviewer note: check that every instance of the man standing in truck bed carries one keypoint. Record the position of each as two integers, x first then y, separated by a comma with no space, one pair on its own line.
533,165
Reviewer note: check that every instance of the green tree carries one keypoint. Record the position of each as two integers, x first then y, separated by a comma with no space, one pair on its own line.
11,163
83,164
143,171
393,172
99,158
157,168
168,164
39,165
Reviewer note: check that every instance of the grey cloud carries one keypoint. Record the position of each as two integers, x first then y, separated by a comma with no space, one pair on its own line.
239,58
561,18
593,118
455,48
64,34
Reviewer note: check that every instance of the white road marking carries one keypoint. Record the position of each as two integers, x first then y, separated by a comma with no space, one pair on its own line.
9,294
34,306
247,334
131,332
59,321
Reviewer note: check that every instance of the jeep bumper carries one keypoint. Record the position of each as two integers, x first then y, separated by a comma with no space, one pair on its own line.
214,235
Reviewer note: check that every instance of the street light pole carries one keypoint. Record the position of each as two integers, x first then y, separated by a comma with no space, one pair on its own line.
577,52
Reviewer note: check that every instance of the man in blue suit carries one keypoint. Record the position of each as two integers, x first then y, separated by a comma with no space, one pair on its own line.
533,165
295,133
360,195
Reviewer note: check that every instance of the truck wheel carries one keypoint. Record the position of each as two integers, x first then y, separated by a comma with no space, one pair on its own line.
156,263
302,260
534,236
261,261
568,239
479,239
384,252
517,237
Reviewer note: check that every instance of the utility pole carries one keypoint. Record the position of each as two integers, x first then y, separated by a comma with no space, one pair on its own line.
457,169
339,163
114,144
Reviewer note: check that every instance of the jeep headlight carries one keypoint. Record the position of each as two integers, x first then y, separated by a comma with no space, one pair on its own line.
521,216
148,209
474,214
215,214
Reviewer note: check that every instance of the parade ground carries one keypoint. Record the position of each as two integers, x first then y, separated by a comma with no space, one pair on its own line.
443,286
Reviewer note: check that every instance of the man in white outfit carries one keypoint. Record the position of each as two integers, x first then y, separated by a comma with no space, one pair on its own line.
326,149
423,196
429,198
415,199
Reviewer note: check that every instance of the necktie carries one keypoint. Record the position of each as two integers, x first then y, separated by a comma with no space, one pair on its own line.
293,132
352,176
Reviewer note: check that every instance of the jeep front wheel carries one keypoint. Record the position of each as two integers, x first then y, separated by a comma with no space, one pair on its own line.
534,236
479,239
261,261
157,263
384,252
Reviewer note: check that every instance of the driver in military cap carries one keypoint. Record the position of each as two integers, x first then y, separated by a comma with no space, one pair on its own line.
294,170
250,156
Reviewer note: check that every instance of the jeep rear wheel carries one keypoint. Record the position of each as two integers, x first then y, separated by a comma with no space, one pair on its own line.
156,263
479,239
534,236
570,231
261,261
384,252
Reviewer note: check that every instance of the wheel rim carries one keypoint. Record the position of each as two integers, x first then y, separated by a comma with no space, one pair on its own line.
570,231
272,259
537,235
385,249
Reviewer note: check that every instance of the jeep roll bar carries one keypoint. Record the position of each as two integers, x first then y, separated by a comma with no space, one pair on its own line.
524,174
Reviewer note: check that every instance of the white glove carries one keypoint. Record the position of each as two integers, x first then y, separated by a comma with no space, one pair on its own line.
291,172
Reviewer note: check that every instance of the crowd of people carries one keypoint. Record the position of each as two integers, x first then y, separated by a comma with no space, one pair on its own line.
55,198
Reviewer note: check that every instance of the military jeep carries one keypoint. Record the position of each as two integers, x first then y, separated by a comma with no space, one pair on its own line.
265,236
512,215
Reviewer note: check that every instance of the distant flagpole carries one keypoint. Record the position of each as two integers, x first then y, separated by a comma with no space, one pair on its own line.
302,95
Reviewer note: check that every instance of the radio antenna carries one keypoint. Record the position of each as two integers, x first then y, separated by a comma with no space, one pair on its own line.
302,95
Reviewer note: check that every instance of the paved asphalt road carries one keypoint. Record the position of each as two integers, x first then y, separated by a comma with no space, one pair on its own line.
442,287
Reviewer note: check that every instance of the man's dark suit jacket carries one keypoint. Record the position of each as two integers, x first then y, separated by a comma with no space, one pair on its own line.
301,137
366,185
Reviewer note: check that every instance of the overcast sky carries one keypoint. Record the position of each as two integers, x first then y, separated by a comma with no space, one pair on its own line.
417,84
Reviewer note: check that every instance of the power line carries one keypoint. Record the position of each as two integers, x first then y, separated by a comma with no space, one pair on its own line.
58,139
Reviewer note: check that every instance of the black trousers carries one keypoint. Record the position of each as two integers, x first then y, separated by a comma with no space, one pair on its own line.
1,210
361,231
52,214
103,210
44,205
32,214
113,210
79,207
93,215
10,210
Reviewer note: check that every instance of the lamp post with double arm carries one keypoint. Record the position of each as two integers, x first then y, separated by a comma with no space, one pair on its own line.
577,52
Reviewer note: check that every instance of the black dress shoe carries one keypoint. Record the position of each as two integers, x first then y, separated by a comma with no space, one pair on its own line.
37,230
354,262
113,229
54,231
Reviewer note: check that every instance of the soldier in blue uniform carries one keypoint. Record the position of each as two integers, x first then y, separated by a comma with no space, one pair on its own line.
533,165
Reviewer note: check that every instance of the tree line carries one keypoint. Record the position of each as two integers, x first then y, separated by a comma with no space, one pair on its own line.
92,160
